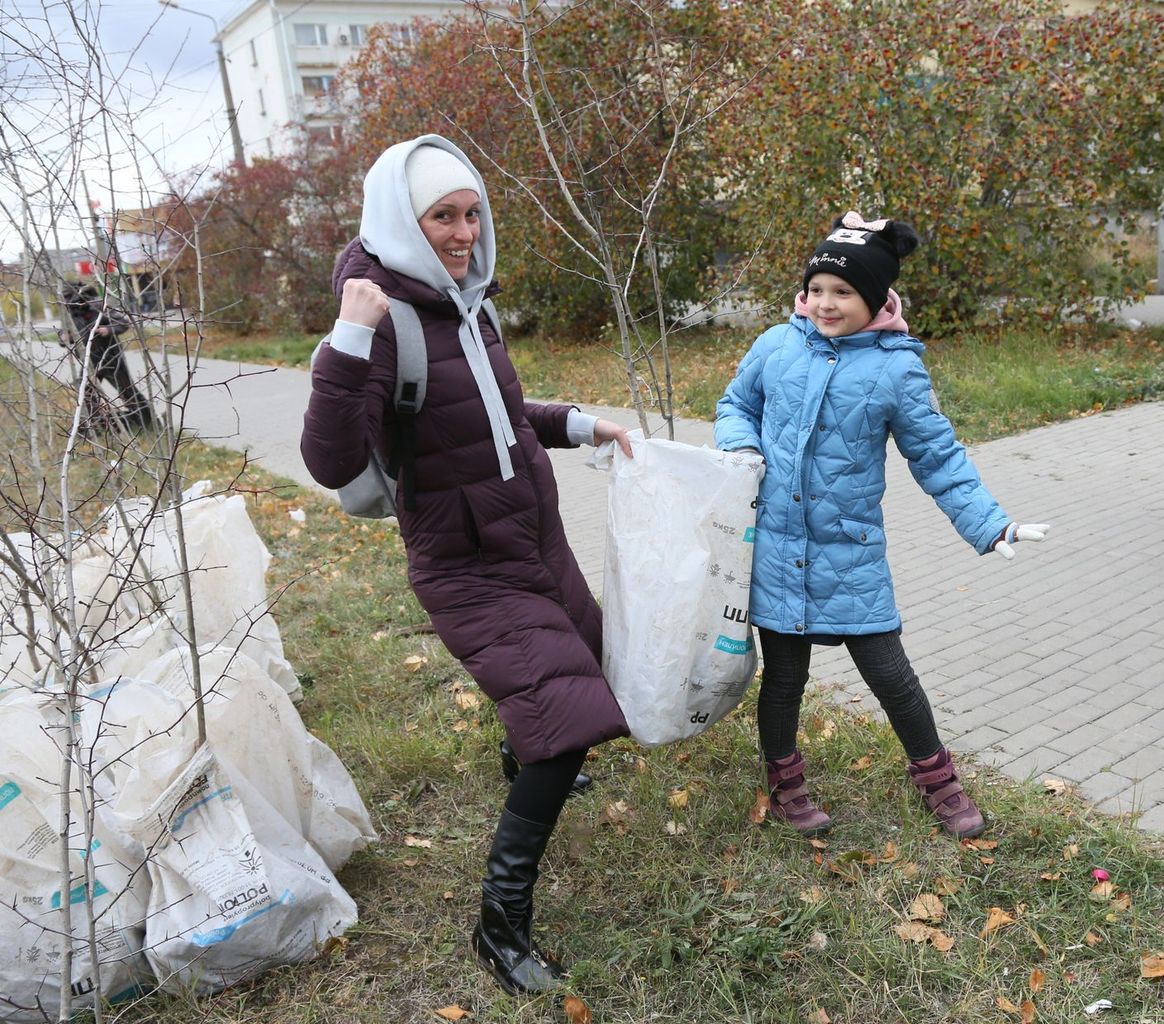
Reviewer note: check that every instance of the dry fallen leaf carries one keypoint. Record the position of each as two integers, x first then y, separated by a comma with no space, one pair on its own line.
862,763
942,942
466,700
913,931
927,907
910,870
813,895
1071,852
947,886
335,945
1051,876
424,844
1152,965
675,828
1006,1006
759,809
730,885
980,844
986,860
828,730
678,798
818,1017
1093,939
460,725
1122,902
1027,1012
576,1011
1036,981
996,918
818,844
890,853
415,662
453,1012
1102,891
1054,787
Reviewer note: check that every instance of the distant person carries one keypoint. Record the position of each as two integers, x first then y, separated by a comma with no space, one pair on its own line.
477,505
819,398
92,318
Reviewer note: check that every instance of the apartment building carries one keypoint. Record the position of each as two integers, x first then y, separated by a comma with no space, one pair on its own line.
282,56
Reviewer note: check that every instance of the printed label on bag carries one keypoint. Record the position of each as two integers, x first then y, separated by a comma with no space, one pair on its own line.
8,792
731,646
750,535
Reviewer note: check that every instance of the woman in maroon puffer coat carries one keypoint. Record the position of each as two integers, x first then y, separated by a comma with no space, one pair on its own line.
487,553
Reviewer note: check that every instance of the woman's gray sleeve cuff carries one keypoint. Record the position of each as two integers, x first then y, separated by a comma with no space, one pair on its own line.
352,339
580,427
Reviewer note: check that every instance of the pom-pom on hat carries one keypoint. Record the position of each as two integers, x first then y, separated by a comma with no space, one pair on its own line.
432,174
867,254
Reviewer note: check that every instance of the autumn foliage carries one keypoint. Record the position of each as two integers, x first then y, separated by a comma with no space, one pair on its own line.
1020,142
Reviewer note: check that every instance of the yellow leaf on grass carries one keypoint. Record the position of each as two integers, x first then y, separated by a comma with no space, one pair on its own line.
759,809
1051,876
813,895
1071,852
1122,902
1152,965
576,1011
1027,1012
941,941
890,853
415,662
453,1012
818,1016
1055,787
862,763
980,844
996,918
424,844
913,931
927,907
1093,939
947,886
818,844
1006,1006
678,798
466,700
910,870
1102,891
1036,981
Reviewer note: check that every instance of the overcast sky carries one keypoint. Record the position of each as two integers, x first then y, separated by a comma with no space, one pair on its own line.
160,64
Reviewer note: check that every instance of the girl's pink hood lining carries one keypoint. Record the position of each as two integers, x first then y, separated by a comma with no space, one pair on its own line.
888,319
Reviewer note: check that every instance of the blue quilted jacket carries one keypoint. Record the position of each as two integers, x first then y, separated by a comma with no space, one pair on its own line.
821,412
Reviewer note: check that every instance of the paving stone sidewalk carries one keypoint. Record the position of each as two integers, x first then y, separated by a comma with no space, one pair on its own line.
1052,664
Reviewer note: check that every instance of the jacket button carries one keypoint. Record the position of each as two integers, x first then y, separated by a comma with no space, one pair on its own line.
822,426
800,563
832,359
863,537
812,497
796,497
800,627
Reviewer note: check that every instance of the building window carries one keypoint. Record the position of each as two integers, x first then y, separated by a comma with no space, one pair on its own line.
323,133
357,34
402,35
316,85
310,35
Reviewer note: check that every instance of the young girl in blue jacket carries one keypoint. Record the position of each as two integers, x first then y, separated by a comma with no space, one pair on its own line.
818,397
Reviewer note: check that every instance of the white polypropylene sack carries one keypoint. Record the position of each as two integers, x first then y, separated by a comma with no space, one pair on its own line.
234,886
677,648
31,941
255,732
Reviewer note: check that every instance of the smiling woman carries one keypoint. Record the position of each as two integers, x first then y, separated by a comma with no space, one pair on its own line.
477,504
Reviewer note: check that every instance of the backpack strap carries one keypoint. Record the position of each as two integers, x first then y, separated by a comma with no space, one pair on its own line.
411,384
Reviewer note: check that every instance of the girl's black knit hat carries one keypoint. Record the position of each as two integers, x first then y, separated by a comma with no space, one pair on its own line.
867,254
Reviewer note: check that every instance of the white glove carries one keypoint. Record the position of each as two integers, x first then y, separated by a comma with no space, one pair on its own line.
1015,532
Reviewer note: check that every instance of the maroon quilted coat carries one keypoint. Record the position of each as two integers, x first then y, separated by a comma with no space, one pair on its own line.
487,557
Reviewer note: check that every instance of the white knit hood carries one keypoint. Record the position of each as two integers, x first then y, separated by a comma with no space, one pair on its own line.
389,231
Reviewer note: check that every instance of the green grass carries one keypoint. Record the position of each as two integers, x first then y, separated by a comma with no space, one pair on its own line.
667,913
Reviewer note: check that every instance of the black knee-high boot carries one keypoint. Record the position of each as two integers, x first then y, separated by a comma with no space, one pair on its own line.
503,941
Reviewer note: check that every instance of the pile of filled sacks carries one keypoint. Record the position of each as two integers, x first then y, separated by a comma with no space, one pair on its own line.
190,864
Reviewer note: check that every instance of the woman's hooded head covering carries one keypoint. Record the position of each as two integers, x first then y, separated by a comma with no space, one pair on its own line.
390,231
